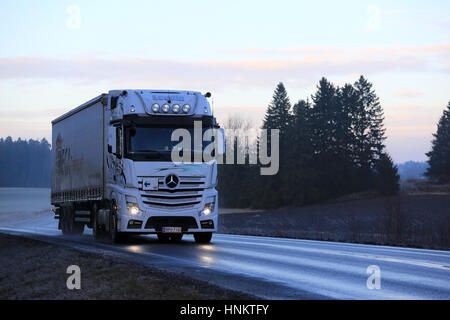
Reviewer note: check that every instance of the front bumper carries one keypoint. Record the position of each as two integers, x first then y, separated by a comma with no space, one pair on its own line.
152,220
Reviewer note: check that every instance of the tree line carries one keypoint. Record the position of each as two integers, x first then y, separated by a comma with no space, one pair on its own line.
330,145
24,163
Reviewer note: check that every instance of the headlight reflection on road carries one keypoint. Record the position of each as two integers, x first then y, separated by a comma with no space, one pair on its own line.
135,249
207,259
208,247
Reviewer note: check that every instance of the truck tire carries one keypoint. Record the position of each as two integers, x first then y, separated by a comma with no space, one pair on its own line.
203,237
114,235
96,232
64,220
165,237
77,228
68,226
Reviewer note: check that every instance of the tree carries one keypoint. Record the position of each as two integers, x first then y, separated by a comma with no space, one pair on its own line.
271,191
236,181
439,156
328,122
388,178
368,119
278,112
299,158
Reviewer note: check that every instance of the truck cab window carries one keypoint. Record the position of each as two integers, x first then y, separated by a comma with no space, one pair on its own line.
153,143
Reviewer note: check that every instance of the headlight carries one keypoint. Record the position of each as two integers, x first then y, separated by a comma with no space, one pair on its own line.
175,108
165,108
133,208
155,107
186,108
209,206
132,205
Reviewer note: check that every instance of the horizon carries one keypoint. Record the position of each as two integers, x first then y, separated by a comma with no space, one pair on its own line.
69,52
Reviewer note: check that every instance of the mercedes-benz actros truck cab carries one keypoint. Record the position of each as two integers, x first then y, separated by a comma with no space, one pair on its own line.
113,168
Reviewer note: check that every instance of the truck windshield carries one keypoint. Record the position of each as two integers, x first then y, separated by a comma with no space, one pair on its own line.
154,143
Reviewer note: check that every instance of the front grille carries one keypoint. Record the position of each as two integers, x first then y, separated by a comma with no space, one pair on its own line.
158,223
187,194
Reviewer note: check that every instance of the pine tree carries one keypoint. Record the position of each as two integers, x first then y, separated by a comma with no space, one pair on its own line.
328,158
271,191
439,156
369,126
388,177
348,99
323,118
278,112
299,159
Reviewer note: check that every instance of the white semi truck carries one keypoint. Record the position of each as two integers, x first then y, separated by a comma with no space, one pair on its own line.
112,169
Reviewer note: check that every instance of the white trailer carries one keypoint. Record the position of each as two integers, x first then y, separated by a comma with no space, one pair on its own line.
112,169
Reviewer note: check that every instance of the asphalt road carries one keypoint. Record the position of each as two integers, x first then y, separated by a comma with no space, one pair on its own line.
277,268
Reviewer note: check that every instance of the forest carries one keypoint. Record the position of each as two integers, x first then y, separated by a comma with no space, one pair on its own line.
24,163
331,144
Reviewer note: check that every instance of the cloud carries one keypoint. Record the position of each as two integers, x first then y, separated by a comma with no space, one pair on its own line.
299,66
410,130
407,93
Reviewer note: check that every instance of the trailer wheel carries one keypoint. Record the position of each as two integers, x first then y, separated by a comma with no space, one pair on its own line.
77,228
64,220
203,237
68,226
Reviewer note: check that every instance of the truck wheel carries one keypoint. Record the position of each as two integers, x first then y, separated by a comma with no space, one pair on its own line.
96,232
203,237
114,235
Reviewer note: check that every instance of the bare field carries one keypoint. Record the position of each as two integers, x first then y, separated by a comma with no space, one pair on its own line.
31,269
415,220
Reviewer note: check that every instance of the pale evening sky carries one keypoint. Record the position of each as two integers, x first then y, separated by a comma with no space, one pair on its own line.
55,55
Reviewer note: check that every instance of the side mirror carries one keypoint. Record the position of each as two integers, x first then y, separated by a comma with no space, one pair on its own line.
110,148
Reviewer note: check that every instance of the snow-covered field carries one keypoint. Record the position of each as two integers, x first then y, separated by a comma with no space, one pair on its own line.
14,200
23,204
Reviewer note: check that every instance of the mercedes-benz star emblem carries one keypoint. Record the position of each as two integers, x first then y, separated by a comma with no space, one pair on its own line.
171,181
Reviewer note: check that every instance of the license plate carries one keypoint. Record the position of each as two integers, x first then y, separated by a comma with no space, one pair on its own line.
171,229
150,184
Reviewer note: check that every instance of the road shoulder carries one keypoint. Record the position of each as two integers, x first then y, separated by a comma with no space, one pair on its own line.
32,269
